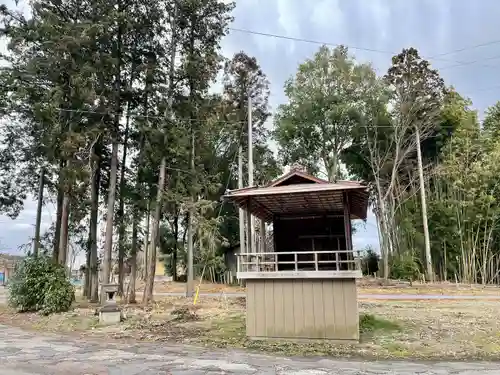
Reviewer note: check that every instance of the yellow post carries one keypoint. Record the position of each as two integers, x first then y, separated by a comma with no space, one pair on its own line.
196,295
198,287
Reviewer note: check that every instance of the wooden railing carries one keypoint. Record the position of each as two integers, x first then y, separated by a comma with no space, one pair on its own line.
335,260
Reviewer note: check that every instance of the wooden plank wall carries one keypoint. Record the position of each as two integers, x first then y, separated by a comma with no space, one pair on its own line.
302,309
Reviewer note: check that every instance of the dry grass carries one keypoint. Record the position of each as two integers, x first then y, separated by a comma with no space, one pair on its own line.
438,329
431,290
365,286
368,285
176,287
424,329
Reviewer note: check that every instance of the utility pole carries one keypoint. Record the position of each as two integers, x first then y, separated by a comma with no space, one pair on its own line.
250,143
428,258
190,269
36,245
241,213
250,228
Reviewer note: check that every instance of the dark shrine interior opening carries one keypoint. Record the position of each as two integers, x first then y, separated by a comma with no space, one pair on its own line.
311,233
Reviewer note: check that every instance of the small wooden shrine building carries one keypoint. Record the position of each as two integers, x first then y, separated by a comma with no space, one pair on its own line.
306,287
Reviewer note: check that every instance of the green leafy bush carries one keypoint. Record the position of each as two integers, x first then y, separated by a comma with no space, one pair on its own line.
369,262
40,285
369,323
404,267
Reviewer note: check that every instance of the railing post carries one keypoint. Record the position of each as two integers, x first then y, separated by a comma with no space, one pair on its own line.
337,261
295,255
257,263
275,262
316,261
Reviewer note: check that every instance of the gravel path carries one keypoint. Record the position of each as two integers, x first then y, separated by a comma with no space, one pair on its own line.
25,353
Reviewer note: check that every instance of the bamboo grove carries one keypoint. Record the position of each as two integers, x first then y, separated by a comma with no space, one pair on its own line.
112,106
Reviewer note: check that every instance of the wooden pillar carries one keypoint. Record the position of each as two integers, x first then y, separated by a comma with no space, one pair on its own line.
250,243
262,236
347,222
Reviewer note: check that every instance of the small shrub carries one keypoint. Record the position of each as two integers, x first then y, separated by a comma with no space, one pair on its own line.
369,323
404,267
38,284
183,314
370,262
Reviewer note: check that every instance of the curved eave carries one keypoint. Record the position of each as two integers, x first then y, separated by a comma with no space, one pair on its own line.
267,202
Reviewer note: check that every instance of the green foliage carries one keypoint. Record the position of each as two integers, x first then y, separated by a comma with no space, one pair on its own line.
404,267
491,123
370,262
327,97
38,284
369,323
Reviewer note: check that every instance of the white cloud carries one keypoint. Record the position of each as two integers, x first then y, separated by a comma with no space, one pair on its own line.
327,14
22,226
444,19
289,20
379,11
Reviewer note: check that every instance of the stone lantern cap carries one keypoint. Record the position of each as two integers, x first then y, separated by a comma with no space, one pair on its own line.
108,288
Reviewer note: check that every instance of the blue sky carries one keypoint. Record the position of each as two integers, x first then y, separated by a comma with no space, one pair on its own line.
374,30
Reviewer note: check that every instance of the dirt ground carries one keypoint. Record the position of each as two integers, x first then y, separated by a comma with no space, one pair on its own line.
366,286
418,330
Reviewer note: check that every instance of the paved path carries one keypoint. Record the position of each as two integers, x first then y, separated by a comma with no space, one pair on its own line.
23,353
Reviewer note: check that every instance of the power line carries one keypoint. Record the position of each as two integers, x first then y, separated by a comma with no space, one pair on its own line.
311,41
475,46
470,62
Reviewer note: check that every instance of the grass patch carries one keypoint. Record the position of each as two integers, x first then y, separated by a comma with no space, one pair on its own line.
369,323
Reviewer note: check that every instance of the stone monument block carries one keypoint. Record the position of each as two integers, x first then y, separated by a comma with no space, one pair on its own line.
110,312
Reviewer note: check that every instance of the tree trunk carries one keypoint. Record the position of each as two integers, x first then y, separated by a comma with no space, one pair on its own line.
190,230
332,168
184,234
385,240
94,211
108,242
176,245
146,242
137,215
149,287
121,210
57,231
36,246
59,204
148,290
63,242
87,284
241,213
133,260
428,258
